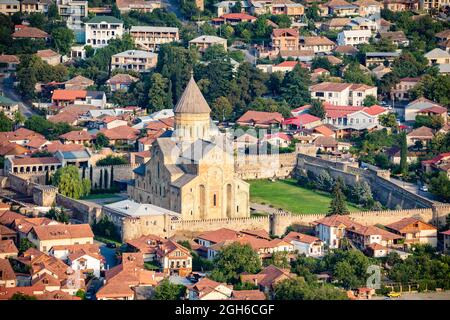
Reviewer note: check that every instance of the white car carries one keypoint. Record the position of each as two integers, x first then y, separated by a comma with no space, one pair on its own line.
424,188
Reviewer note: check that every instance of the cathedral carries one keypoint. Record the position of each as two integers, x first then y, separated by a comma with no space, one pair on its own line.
191,170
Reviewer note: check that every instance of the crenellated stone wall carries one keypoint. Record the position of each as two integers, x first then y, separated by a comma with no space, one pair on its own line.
251,167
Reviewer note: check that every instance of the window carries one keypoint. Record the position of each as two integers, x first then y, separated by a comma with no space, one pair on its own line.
215,200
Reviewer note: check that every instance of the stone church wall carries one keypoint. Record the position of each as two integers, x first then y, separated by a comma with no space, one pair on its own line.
251,167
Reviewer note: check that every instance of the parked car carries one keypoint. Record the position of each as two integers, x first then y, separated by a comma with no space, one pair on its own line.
424,188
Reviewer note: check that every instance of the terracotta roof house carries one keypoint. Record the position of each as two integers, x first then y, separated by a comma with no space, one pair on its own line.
260,119
248,295
267,278
212,237
417,107
233,18
335,24
7,275
326,144
8,249
397,37
7,217
122,134
78,83
78,137
120,81
423,135
12,149
346,50
331,229
21,136
305,244
301,121
51,57
319,44
56,295
414,231
8,62
123,278
7,233
207,289
45,237
30,33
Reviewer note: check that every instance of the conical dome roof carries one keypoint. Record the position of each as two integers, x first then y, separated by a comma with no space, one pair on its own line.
192,100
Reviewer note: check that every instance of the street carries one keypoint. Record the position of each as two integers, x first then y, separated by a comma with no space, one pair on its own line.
7,88
430,295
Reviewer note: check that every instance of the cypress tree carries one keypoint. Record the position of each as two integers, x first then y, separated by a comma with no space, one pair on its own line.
403,155
105,173
84,173
91,173
100,182
338,205
112,176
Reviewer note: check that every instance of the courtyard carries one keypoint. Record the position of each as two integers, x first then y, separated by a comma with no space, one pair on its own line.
287,195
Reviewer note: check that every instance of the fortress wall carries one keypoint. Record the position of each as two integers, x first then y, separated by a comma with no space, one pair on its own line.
251,167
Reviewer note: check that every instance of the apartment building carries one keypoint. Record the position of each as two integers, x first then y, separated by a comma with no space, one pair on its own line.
101,29
317,44
72,11
204,42
428,5
32,6
286,39
353,37
342,94
137,60
150,38
9,7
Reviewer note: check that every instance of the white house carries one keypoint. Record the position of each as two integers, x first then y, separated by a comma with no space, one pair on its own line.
305,244
331,230
353,37
101,29
342,94
422,105
207,289
86,262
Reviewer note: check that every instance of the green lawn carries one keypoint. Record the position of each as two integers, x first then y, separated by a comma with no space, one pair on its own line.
286,194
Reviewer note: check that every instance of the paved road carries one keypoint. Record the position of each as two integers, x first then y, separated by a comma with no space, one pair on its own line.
413,188
431,295
109,254
8,91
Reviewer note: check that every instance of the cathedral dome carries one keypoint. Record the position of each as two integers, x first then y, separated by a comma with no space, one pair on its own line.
192,100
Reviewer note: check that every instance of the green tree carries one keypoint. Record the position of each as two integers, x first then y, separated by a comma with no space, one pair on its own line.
169,291
440,186
295,87
101,140
5,123
354,74
299,289
81,294
111,160
233,260
278,259
63,39
158,93
69,183
403,154
58,214
317,109
388,120
222,109
22,296
370,101
338,204
25,244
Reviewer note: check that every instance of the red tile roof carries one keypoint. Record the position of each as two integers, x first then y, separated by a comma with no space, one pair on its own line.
35,161
289,32
30,32
301,120
63,231
238,16
68,95
260,117
9,58
291,236
77,135
121,133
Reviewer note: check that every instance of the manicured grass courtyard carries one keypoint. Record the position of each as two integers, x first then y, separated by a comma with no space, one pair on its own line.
286,194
